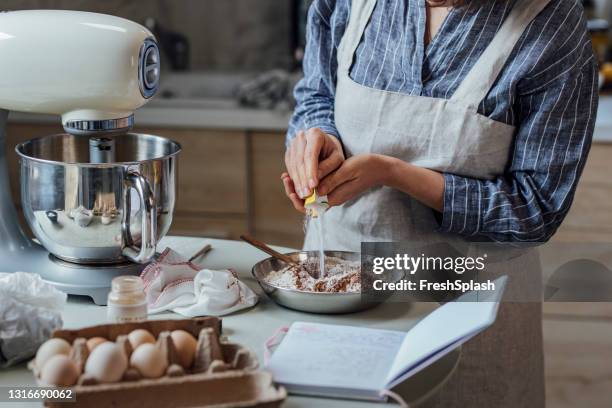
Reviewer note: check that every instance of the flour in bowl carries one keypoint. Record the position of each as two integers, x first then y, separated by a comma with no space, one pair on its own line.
340,276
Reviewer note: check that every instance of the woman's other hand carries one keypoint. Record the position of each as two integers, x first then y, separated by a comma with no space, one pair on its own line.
356,175
310,157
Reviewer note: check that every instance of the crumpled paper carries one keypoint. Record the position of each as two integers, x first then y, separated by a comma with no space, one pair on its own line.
30,310
176,284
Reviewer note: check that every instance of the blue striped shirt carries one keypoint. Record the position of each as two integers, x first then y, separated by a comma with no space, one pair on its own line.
548,90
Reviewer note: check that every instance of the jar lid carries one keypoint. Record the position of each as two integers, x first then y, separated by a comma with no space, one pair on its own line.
127,284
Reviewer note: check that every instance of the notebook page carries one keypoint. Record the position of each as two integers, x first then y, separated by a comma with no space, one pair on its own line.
443,330
320,355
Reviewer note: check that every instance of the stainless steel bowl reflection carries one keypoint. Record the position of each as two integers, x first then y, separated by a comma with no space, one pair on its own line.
313,302
99,200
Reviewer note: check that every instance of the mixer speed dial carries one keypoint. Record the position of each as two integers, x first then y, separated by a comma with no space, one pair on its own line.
149,68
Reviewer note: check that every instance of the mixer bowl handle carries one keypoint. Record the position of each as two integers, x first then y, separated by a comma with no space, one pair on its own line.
148,235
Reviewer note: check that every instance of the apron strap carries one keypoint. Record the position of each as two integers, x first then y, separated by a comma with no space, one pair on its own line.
361,12
483,75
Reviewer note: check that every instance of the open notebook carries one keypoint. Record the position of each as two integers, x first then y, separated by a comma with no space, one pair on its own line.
359,363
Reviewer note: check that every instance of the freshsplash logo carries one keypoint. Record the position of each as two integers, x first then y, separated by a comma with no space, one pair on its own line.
413,264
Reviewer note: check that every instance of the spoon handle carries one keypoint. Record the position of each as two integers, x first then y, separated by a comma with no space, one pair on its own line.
201,252
265,248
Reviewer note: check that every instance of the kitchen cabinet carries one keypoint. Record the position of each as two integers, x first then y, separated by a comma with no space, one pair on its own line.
211,170
212,182
207,225
274,218
590,218
578,361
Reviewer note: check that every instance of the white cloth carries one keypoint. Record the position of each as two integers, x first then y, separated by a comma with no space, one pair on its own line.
30,310
173,283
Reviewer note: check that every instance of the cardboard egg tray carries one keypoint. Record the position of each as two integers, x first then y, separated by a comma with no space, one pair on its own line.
223,375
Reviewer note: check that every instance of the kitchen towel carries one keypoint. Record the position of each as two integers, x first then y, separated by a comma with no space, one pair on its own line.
179,285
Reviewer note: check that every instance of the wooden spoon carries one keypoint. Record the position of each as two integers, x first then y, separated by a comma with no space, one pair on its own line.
201,252
260,245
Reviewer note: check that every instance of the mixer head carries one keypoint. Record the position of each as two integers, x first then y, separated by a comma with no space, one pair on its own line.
92,69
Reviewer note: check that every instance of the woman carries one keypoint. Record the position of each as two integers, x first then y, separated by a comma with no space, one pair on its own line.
425,119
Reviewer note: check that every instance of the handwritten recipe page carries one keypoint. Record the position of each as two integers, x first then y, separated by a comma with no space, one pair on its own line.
336,356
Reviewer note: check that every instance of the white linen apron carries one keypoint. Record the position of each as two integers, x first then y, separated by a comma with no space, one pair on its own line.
503,367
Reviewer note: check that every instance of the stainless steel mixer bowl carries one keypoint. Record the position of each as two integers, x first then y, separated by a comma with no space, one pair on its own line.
313,302
95,201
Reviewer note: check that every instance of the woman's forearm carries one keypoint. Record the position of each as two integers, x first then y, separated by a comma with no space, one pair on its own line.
426,186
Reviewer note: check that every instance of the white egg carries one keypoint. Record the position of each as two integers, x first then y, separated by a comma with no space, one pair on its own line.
49,349
59,370
106,363
149,361
140,336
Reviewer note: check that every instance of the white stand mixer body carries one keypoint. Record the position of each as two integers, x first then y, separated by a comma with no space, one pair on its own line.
82,66
92,69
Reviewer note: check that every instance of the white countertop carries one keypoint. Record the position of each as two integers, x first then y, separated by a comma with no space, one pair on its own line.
250,327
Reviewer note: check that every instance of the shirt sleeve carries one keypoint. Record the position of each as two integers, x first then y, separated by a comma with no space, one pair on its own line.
556,111
314,94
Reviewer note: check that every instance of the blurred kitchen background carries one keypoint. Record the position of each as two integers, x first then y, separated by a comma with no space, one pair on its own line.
229,67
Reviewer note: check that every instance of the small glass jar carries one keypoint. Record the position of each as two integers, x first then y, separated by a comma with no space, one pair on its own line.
127,301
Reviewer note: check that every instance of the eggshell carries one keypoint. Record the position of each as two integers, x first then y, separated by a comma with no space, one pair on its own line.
93,342
106,219
106,363
185,346
49,349
83,217
59,370
140,336
149,361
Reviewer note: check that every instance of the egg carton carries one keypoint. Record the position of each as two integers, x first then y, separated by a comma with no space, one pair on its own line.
223,374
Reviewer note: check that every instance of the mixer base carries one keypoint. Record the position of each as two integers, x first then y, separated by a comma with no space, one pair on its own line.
84,280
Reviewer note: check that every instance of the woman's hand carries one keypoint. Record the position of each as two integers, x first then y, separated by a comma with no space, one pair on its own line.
356,175
353,177
311,156
297,202
363,172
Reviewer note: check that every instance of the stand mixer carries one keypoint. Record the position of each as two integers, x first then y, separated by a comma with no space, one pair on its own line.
97,198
